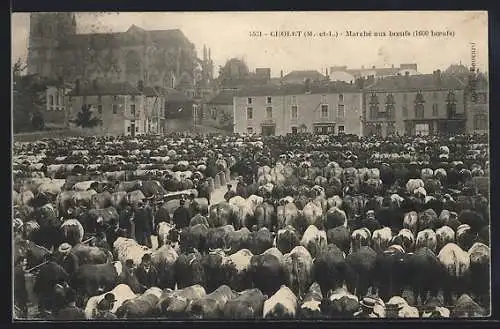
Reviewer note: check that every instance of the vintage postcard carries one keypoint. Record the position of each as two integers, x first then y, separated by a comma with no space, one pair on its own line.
250,165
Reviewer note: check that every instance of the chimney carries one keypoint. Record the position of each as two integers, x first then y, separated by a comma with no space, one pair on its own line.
77,86
307,85
407,73
392,66
373,67
437,76
140,85
281,74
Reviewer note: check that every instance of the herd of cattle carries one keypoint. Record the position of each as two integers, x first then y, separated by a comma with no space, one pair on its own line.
313,226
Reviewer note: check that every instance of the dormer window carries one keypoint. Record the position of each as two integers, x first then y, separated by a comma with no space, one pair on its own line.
341,98
249,100
269,100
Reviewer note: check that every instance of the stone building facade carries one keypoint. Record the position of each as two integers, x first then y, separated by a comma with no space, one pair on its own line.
322,108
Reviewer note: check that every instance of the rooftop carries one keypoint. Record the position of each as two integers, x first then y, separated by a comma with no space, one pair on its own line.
304,74
418,82
105,88
224,97
297,89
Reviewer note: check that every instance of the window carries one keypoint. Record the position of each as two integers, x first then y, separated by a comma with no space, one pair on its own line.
57,100
422,129
341,111
269,112
115,98
405,112
132,98
249,113
435,95
51,100
294,130
435,111
480,122
324,111
99,109
132,109
70,98
294,100
84,99
128,129
294,112
213,112
405,98
324,100
249,100
99,98
341,98
137,129
330,129
269,100
341,129
249,130
419,111
115,108
391,129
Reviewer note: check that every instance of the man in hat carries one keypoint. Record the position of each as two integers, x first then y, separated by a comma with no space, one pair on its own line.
67,259
49,276
146,273
367,305
230,193
125,220
71,312
142,225
182,215
104,308
204,190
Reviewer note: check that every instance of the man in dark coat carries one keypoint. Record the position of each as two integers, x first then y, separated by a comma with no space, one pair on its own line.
146,273
142,223
203,190
125,222
20,292
230,193
67,259
71,312
161,214
49,276
182,216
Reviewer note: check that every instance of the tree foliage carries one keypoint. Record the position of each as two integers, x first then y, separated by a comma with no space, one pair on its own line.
28,99
86,118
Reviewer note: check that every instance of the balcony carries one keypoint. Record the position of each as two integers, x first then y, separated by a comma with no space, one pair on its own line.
268,122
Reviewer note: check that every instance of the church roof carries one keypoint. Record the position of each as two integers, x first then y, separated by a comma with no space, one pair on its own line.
105,88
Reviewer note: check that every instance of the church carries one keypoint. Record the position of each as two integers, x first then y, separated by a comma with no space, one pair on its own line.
162,58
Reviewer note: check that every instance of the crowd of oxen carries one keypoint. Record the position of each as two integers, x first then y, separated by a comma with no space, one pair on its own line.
316,227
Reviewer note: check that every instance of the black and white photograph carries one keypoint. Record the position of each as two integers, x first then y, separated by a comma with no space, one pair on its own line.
250,165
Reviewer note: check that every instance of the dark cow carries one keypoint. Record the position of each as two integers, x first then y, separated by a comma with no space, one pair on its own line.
221,214
265,215
143,306
260,241
238,240
329,268
287,239
217,237
189,270
91,255
194,237
360,270
339,303
421,266
340,237
248,305
389,272
267,272
236,267
215,275
479,255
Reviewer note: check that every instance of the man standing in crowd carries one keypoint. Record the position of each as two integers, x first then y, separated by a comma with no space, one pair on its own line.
49,276
125,221
104,308
67,259
71,312
142,225
230,193
182,216
203,190
146,273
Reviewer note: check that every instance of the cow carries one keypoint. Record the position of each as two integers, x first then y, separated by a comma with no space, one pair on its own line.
479,255
299,266
236,267
444,235
359,238
238,240
189,270
390,272
422,265
335,217
329,268
194,237
282,305
259,241
248,305
267,272
164,259
339,303
72,232
217,237
143,306
457,265
410,221
381,239
166,234
286,239
314,240
212,305
121,292
178,303
311,304
221,214
427,238
405,239
340,237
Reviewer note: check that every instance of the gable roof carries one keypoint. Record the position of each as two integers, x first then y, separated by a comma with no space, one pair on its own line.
297,89
417,82
304,74
105,88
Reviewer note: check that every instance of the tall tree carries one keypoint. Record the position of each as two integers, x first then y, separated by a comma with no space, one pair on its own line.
85,118
28,99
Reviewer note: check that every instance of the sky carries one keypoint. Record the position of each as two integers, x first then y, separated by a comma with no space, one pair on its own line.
229,35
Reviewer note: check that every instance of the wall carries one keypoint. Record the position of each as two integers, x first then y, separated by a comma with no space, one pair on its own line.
308,112
480,107
431,97
55,112
218,121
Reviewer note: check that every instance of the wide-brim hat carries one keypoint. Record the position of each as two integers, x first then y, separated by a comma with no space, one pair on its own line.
64,248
